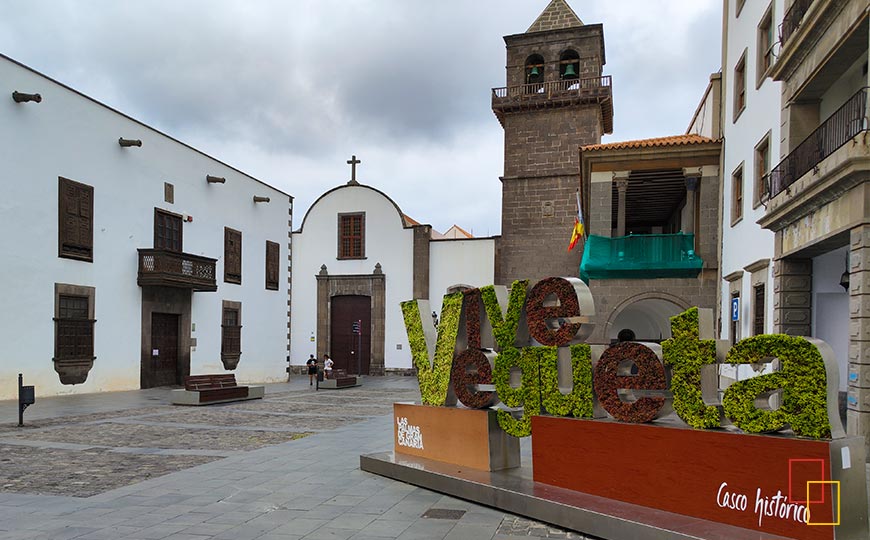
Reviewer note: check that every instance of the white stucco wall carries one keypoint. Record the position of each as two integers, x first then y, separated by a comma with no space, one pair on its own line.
459,262
830,306
72,136
386,242
746,242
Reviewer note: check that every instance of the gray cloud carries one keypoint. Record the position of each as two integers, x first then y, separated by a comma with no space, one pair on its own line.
287,90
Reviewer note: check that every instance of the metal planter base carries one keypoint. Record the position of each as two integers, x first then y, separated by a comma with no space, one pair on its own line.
514,491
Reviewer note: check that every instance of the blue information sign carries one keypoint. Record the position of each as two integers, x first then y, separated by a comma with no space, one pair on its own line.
735,309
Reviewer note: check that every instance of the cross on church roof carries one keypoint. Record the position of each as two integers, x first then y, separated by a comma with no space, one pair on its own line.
353,161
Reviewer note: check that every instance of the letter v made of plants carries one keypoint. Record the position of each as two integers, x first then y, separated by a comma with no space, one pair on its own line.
505,323
433,370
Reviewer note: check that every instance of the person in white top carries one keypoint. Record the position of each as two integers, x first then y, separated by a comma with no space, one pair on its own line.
327,366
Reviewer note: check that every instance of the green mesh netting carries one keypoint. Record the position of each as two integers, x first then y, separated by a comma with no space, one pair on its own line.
640,256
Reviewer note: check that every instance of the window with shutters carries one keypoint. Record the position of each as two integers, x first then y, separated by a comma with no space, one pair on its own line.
351,235
232,256
75,220
765,44
737,195
758,310
167,231
762,170
740,86
74,322
273,265
231,331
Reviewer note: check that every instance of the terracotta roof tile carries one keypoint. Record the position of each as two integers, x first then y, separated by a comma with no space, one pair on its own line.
676,140
410,221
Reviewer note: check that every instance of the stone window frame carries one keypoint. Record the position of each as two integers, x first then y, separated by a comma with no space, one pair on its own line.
341,254
231,355
738,179
760,188
82,291
764,53
232,273
83,249
273,265
758,277
740,86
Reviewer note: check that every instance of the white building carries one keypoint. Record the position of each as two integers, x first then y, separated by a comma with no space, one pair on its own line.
133,259
356,256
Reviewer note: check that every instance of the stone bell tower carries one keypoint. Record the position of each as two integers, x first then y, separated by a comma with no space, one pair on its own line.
556,100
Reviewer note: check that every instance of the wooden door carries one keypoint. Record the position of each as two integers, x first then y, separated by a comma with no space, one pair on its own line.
164,349
346,346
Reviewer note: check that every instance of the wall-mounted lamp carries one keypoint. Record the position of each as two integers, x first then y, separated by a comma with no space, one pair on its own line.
215,179
129,142
24,98
187,218
257,199
844,278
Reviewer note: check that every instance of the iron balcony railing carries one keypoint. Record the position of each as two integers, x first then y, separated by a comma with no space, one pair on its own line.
640,256
563,88
163,268
837,130
792,19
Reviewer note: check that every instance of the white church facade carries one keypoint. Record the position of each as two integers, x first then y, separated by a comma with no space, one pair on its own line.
134,259
356,256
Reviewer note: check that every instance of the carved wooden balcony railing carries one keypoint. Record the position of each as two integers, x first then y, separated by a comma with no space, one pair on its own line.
163,268
556,94
837,130
791,21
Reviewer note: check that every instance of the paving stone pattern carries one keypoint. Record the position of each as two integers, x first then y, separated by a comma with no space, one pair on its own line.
188,473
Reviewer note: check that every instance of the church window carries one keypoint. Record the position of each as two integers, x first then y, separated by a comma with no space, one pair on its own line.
74,322
232,256
737,195
351,236
273,265
758,310
167,231
231,331
75,220
762,170
535,69
569,65
740,86
765,44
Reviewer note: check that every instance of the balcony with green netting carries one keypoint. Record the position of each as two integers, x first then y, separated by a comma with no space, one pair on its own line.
640,256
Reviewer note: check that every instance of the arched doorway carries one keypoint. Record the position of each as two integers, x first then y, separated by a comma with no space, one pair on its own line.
351,351
648,318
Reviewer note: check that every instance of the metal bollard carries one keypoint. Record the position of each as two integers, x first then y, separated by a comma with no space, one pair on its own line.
26,397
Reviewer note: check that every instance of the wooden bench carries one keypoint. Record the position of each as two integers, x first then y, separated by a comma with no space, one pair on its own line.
340,379
218,388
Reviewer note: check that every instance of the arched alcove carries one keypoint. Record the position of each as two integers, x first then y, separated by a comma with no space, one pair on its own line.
648,318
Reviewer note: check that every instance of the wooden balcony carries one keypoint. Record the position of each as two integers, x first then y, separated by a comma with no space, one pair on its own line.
556,94
161,268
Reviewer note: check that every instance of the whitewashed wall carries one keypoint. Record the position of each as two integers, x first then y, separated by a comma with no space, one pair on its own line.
72,136
746,242
459,262
386,242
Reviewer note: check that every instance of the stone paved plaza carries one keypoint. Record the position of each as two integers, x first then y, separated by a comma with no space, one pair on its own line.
128,465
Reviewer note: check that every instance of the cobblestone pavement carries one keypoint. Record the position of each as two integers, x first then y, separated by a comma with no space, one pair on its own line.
282,468
83,455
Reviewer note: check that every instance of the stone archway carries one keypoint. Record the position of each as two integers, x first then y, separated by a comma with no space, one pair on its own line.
647,315
364,285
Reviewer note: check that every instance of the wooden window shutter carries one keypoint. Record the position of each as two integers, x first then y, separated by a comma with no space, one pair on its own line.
273,265
232,256
75,220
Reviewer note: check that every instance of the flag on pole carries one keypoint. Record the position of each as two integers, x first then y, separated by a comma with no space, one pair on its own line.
578,230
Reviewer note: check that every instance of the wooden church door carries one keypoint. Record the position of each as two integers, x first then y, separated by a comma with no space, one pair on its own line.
351,351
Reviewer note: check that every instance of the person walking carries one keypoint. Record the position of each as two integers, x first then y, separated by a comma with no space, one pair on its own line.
312,369
327,366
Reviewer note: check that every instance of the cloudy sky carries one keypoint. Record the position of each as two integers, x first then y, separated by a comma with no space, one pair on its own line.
287,90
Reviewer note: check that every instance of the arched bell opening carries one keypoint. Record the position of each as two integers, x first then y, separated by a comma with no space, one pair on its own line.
569,65
534,69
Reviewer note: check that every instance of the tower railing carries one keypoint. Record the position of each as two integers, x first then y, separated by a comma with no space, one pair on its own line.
563,88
